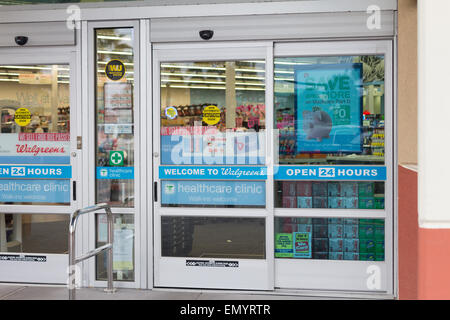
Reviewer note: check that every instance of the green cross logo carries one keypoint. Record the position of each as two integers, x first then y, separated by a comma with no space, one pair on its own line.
116,158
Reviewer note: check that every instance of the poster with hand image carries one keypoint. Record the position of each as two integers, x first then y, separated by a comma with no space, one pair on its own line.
329,108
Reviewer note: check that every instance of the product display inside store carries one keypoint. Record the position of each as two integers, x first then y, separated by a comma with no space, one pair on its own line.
211,102
43,90
34,130
329,238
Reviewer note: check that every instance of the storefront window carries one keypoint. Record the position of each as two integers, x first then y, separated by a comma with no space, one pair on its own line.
33,233
123,247
207,237
330,110
115,117
330,194
330,238
213,113
35,134
329,113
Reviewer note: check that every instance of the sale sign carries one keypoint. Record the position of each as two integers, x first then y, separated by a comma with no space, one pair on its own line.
302,244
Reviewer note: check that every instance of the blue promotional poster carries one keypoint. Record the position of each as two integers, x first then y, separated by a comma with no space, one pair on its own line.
329,108
212,193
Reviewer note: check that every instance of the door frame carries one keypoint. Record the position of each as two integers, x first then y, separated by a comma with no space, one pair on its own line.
352,48
223,51
310,48
55,270
89,131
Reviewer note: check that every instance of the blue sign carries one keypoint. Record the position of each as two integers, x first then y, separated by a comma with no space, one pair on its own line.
213,173
329,108
35,159
351,173
48,191
213,193
124,173
36,172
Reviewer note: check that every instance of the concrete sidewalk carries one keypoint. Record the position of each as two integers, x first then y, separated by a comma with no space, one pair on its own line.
25,292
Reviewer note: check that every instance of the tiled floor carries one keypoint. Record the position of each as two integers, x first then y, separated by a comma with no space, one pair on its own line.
23,292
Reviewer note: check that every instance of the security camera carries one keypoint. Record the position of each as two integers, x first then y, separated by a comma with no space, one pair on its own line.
21,40
206,34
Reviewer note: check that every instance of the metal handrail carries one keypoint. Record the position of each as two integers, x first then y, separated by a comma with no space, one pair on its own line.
109,246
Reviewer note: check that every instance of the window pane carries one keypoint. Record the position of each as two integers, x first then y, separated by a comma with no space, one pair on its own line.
333,195
34,130
114,121
330,238
123,247
213,194
34,233
330,110
202,237
213,112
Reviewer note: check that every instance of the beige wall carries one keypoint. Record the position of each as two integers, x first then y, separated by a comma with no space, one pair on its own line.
407,81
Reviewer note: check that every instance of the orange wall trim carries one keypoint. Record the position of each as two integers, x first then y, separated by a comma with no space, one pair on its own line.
434,264
408,230
424,254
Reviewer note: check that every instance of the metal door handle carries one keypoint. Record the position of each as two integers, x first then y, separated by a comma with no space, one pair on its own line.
74,190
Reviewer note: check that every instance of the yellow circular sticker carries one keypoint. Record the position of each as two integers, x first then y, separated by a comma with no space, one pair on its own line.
115,70
22,117
211,115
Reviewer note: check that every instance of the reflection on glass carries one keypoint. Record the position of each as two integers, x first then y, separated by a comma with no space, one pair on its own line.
115,123
123,247
330,238
202,237
34,129
330,110
333,195
213,194
34,233
213,112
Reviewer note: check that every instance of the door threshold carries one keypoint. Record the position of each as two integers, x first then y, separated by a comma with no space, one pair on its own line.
288,292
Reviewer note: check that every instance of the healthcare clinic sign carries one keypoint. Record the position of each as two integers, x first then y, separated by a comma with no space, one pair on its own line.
32,148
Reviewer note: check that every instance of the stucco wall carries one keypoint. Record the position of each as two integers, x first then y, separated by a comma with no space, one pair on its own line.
407,81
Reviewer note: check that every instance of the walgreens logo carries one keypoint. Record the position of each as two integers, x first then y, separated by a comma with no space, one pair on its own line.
36,149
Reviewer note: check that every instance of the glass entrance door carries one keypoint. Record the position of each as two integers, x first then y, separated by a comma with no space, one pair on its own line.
38,161
334,195
212,221
317,212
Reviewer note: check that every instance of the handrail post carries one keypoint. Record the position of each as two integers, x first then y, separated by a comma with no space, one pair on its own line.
110,222
73,260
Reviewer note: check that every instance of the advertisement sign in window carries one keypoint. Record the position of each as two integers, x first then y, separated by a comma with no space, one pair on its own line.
329,108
